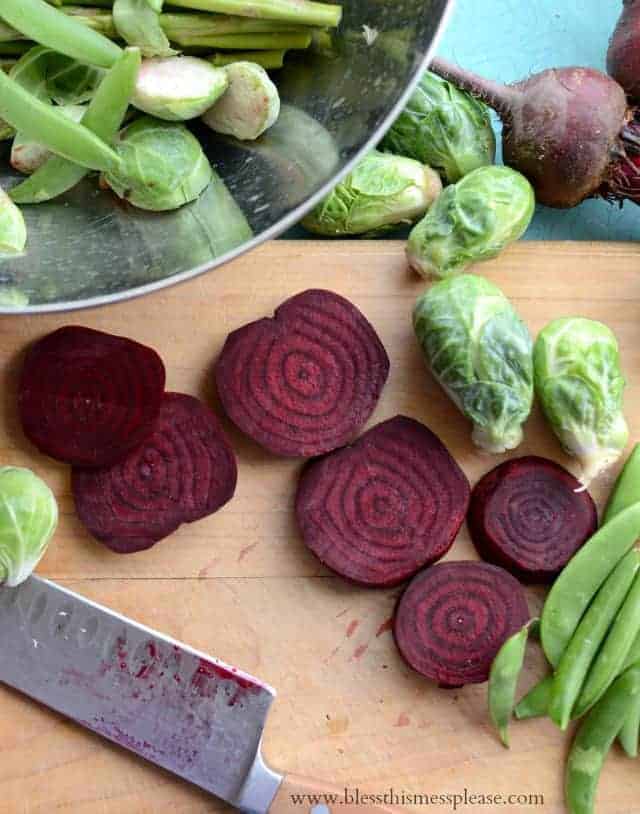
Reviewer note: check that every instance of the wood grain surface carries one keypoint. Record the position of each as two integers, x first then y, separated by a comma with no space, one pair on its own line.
241,586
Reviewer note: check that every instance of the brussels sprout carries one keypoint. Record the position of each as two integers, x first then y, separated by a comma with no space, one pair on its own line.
13,230
55,77
579,383
163,165
250,106
471,221
27,155
381,192
444,127
480,351
28,518
178,88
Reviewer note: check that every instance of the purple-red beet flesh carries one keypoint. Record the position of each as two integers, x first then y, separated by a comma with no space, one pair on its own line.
379,510
568,130
454,617
87,398
184,471
530,516
303,382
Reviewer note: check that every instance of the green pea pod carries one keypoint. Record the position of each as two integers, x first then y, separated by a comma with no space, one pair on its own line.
627,487
41,122
629,736
503,680
578,583
633,656
613,652
590,633
594,739
535,703
39,21
104,117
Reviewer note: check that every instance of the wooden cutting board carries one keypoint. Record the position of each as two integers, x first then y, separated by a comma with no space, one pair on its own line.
241,585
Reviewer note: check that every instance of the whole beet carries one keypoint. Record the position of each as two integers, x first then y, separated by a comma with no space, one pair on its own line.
623,58
568,130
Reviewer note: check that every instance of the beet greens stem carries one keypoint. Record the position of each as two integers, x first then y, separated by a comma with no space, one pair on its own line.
498,96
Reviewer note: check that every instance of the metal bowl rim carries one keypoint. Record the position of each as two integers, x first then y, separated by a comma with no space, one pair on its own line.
269,234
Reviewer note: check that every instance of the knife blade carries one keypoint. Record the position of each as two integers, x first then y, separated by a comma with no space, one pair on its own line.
181,709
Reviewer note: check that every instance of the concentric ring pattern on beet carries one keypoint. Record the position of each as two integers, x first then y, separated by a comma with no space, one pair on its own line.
530,516
379,510
88,397
454,617
186,470
305,381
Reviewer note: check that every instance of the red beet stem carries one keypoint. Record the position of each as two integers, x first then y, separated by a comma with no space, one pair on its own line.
568,130
454,617
378,511
530,516
501,98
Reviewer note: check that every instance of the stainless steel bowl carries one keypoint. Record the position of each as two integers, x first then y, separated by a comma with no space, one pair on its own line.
85,249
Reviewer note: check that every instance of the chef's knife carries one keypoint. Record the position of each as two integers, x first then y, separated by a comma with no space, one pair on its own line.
183,710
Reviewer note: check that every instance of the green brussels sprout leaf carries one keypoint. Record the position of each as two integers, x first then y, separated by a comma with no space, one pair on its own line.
472,221
138,23
28,518
480,352
13,230
381,192
55,77
580,386
163,165
445,128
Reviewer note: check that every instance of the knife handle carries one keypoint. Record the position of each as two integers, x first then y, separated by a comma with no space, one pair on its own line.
300,795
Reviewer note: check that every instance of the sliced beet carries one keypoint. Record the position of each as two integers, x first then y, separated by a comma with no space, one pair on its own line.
378,511
530,516
184,471
88,397
303,382
454,617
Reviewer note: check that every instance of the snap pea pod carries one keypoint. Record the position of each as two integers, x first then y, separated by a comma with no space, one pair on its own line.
577,584
629,736
104,116
39,21
41,122
626,491
535,703
591,632
633,655
594,739
503,679
613,652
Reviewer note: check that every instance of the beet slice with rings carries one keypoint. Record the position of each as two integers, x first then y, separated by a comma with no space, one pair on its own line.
305,381
380,510
530,516
88,397
454,617
183,472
